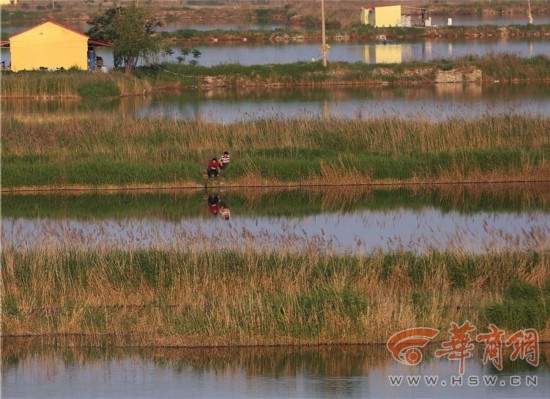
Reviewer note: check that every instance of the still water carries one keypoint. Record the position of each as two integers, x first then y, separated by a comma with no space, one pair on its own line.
355,233
370,53
325,372
357,221
433,103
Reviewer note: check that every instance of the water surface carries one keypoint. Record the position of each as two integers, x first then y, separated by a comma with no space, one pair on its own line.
432,103
326,372
356,222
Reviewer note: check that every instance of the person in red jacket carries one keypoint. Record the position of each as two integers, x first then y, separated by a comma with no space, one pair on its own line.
213,168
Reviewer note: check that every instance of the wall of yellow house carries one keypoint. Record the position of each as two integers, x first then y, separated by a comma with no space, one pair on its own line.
380,17
387,16
48,45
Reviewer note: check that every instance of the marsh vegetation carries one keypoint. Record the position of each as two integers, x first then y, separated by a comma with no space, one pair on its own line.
104,150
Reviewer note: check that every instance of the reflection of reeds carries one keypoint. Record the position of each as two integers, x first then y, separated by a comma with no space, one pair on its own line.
259,361
173,297
279,201
110,151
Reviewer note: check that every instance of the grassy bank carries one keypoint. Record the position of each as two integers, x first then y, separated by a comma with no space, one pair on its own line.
71,84
492,67
104,150
176,297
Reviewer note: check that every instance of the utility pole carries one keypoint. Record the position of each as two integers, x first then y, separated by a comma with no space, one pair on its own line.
529,15
324,38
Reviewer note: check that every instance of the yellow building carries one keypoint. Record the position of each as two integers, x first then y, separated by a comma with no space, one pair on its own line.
381,17
8,2
49,45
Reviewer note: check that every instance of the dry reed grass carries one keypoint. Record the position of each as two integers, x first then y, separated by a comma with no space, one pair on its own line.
248,298
392,136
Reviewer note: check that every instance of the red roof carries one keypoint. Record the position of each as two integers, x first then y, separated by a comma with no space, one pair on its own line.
98,43
52,22
381,5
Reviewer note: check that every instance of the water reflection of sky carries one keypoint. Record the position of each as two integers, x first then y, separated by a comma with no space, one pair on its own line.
249,54
406,51
243,376
356,232
440,103
431,103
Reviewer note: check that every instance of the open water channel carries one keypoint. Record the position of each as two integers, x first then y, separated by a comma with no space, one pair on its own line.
433,103
70,371
357,221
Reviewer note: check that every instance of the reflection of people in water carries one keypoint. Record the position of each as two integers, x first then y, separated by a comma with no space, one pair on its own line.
224,210
213,204
216,206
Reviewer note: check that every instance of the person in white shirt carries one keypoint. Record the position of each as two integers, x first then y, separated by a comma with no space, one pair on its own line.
224,160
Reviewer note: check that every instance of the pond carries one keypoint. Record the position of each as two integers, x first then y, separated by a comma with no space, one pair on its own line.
369,52
432,103
353,221
73,371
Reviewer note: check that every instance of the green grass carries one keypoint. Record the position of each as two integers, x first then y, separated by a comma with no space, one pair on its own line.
98,89
524,306
70,83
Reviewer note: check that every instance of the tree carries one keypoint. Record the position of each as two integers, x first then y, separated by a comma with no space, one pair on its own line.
131,32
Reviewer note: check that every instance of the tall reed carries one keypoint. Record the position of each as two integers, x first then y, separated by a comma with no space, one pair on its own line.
71,84
178,297
108,150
